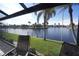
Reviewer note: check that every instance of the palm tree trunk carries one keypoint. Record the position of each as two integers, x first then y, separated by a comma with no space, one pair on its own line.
44,33
71,21
78,34
44,30
45,27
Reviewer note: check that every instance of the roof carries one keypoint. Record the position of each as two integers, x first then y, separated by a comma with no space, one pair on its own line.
18,9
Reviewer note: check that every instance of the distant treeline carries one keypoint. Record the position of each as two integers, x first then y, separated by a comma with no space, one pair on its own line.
31,26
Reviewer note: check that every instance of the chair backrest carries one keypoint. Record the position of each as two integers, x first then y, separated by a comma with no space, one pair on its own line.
23,45
69,50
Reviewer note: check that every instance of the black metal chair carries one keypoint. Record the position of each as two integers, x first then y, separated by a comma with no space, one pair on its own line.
23,45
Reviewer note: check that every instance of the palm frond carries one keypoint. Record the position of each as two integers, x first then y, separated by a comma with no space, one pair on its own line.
35,12
62,8
38,16
50,12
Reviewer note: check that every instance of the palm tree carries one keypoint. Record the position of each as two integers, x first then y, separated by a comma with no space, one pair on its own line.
29,23
78,34
71,19
70,10
47,14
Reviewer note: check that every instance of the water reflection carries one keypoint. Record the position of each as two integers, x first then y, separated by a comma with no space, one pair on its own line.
63,34
37,32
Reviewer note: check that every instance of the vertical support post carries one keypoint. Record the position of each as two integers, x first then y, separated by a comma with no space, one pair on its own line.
23,45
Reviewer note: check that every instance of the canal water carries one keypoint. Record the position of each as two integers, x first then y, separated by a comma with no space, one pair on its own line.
61,34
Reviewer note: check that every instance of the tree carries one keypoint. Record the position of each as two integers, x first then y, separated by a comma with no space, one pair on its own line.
78,34
29,23
71,20
58,24
54,24
47,14
70,10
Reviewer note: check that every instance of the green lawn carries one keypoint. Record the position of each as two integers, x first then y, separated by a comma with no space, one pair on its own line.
10,36
45,47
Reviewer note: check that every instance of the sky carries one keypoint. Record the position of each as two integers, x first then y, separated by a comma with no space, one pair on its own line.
12,8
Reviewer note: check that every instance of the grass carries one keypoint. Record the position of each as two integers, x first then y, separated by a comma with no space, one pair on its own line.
45,47
10,36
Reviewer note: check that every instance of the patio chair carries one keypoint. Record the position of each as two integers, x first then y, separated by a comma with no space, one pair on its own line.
23,45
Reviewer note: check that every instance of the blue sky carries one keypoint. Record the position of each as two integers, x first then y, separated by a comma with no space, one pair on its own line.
33,18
